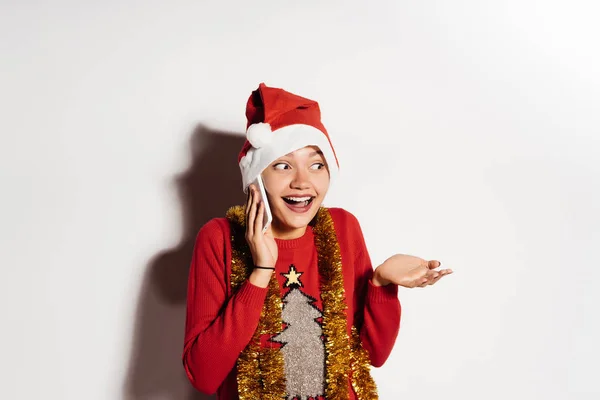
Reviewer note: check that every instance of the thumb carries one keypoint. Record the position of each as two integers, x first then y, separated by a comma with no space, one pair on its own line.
433,264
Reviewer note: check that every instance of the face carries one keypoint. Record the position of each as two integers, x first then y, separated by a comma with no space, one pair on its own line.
296,185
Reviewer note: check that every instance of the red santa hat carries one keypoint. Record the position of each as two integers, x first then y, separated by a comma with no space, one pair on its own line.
279,123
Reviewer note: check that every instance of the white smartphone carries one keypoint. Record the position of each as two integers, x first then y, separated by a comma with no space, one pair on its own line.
268,217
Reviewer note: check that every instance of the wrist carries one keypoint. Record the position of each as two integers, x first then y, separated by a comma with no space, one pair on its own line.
378,280
261,277
260,270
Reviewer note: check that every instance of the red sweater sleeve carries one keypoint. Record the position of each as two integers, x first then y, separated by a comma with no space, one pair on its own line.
217,328
377,313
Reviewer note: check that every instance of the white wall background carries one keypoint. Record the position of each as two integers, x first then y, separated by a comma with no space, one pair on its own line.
468,131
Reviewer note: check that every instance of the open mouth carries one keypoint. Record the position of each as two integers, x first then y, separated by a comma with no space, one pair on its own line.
298,201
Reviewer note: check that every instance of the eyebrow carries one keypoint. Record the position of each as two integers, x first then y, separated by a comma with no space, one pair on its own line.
314,153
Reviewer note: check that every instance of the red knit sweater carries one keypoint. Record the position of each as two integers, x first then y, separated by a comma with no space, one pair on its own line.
219,324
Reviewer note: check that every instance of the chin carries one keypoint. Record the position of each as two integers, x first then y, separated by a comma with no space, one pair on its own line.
299,222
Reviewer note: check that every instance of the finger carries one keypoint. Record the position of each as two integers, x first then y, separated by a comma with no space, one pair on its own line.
251,218
430,277
248,204
433,264
422,281
442,273
432,274
259,218
435,279
249,198
445,271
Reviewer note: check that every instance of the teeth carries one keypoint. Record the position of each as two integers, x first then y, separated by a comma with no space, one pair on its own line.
299,199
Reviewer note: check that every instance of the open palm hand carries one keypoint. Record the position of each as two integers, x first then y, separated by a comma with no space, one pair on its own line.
408,271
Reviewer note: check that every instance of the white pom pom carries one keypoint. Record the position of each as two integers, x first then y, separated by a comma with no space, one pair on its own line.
259,135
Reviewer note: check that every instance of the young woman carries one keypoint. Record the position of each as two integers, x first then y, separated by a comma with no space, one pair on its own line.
296,312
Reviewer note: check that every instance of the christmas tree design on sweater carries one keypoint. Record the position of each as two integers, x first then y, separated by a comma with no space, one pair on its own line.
303,347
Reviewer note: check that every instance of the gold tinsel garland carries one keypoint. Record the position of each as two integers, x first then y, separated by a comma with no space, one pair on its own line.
261,370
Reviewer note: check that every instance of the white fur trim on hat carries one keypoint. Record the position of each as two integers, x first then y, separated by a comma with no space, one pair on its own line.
259,134
283,141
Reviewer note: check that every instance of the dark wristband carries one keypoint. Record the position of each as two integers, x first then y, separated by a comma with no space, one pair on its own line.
272,269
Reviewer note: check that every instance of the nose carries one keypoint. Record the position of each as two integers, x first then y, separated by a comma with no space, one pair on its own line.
301,180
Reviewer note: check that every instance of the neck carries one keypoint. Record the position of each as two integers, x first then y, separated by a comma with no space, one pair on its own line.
286,233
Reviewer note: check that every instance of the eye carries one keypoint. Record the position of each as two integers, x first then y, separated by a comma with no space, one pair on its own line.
318,165
281,166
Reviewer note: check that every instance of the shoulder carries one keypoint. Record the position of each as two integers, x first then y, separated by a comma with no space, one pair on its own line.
349,233
213,232
344,220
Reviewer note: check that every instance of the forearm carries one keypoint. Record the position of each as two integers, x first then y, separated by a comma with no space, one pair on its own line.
381,322
212,351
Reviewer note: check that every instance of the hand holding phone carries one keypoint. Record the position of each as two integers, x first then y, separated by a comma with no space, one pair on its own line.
261,241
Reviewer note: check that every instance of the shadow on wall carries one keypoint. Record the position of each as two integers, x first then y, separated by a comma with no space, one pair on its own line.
207,189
